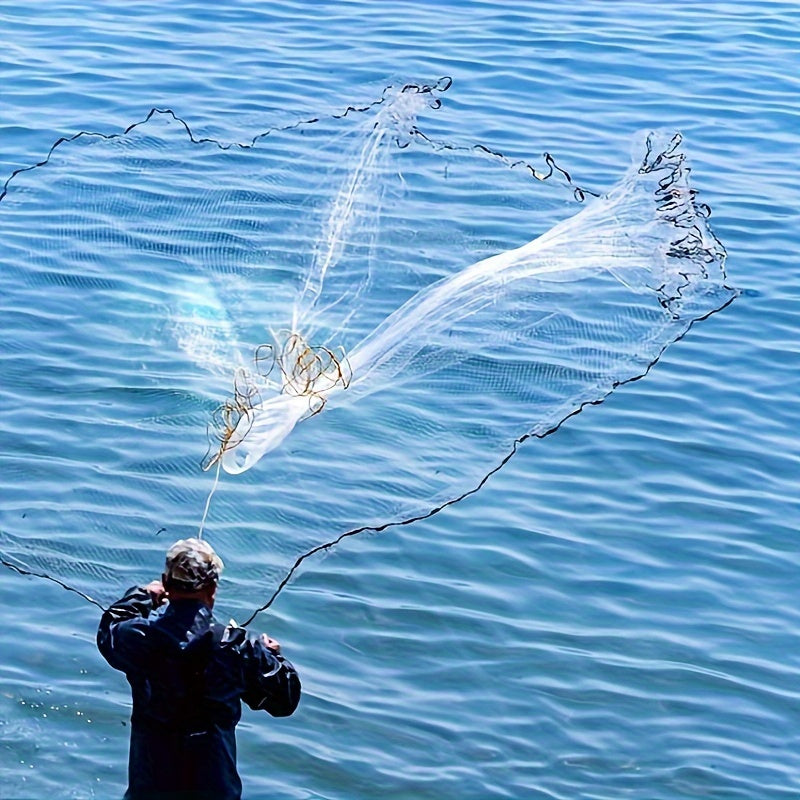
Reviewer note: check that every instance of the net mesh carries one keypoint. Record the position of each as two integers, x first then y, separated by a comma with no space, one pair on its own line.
370,300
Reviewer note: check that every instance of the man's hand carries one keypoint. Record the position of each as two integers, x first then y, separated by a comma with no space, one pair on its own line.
270,644
157,592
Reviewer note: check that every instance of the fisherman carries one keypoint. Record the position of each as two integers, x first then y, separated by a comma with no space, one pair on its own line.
188,676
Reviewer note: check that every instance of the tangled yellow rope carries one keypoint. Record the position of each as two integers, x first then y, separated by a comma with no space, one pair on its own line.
305,370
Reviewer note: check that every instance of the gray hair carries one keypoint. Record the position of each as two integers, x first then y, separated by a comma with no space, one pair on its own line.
191,566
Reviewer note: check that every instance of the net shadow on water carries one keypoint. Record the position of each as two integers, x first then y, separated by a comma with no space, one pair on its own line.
397,254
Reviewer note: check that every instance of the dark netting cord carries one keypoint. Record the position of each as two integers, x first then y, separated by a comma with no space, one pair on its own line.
307,362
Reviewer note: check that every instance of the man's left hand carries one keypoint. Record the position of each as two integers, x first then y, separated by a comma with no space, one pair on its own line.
270,643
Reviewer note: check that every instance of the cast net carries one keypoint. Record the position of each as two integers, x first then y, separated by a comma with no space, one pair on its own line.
388,312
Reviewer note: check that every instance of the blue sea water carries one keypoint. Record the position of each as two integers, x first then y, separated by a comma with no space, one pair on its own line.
612,614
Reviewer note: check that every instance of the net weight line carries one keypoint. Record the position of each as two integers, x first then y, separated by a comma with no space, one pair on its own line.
44,576
381,528
554,170
442,85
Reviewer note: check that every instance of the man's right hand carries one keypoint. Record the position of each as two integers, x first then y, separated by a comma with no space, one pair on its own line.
157,592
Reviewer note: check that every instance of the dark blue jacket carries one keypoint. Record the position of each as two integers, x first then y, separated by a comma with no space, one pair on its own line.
188,676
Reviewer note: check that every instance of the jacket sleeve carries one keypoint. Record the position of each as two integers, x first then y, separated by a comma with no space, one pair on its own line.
121,634
271,682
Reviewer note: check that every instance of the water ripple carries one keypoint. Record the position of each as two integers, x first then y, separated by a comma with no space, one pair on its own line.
614,614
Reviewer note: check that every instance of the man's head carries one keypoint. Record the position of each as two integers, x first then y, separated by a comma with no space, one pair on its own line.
192,569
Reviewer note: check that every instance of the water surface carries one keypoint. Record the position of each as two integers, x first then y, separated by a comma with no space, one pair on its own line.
613,614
